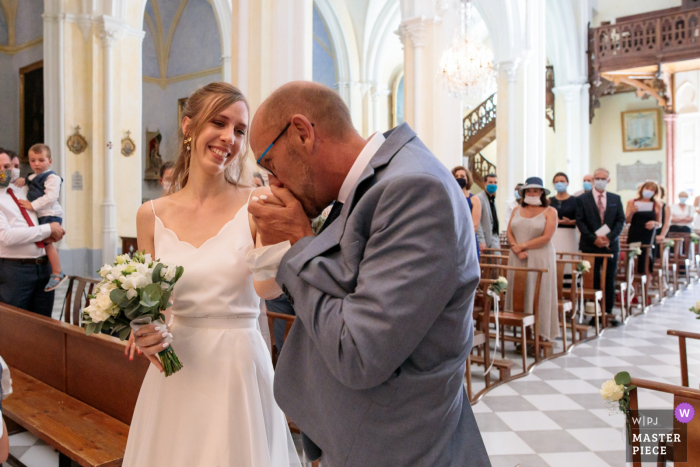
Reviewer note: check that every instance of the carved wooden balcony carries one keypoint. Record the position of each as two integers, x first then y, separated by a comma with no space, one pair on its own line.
479,127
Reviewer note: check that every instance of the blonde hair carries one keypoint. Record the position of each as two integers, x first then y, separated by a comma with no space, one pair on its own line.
203,105
657,189
38,148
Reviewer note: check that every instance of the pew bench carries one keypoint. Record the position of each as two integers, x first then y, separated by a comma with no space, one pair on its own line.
77,431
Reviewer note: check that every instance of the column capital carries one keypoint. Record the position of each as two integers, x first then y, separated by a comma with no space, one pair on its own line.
414,29
111,30
510,67
570,92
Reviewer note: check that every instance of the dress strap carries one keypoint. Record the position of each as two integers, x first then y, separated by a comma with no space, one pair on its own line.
153,209
250,196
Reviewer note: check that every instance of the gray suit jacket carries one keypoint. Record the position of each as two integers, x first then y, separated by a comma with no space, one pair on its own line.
485,230
372,370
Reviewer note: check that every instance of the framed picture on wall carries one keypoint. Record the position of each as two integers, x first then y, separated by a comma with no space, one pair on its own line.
641,130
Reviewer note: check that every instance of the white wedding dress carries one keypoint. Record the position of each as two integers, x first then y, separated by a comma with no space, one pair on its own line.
219,409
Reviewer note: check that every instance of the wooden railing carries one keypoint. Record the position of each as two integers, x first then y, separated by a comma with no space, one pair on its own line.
480,167
479,122
649,39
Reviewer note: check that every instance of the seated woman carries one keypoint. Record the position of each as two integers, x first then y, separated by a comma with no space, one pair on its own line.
530,231
682,215
644,216
465,180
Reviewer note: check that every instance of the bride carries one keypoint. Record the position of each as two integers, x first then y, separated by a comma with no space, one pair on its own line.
219,410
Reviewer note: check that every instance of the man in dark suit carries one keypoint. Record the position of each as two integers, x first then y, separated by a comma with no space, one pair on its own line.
594,209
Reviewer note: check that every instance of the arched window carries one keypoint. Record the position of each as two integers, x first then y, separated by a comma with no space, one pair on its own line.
397,100
325,70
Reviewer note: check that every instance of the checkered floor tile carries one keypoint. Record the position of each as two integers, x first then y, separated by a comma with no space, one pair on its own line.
556,417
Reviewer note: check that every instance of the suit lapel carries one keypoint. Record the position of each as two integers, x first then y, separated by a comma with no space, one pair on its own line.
330,237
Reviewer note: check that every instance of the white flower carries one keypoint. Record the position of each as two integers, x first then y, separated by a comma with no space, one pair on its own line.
148,259
502,279
697,305
105,270
135,280
131,293
168,272
164,285
122,259
116,272
612,391
97,314
586,264
107,287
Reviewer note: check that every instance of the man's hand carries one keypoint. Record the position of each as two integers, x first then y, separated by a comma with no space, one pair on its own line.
26,204
602,241
279,223
57,232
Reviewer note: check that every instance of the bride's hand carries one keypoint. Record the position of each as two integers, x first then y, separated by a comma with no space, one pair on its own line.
263,195
130,347
150,340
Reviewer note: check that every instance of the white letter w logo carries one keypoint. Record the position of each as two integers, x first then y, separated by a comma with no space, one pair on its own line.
684,412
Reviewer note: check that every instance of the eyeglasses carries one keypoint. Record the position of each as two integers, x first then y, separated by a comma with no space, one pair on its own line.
259,160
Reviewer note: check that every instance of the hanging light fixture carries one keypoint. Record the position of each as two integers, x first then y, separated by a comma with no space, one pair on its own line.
466,68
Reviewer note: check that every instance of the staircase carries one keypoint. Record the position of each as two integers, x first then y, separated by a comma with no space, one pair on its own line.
479,131
479,127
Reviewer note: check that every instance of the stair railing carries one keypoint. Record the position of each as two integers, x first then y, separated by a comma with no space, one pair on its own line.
479,122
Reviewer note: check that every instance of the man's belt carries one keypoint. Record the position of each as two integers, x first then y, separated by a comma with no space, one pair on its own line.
39,261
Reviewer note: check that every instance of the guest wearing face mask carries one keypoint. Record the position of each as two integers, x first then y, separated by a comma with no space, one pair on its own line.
166,176
599,209
682,215
530,231
510,205
564,239
644,216
587,185
465,181
488,232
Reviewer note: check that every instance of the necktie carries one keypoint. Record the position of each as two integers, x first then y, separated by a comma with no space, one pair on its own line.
333,215
601,209
24,212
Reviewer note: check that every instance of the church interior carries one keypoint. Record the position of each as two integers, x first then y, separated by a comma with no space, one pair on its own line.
559,87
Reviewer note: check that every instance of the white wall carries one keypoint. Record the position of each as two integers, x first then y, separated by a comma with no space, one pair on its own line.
687,149
160,113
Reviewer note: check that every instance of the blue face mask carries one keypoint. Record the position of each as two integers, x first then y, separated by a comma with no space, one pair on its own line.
560,187
517,195
647,194
587,186
491,189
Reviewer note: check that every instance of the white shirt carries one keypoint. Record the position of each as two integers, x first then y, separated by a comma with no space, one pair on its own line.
17,239
510,206
47,205
368,152
682,210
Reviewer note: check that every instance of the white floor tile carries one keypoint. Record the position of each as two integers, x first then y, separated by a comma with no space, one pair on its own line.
574,459
530,377
502,443
528,421
661,370
621,351
548,365
592,372
23,439
40,456
668,359
600,439
606,361
504,390
573,386
481,407
615,420
549,402
632,342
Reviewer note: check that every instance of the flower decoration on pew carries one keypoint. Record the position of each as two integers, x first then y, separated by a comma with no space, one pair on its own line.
499,285
583,267
694,238
616,393
134,292
634,253
696,309
669,243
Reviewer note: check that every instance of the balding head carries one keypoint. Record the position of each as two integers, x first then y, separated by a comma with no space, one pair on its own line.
317,142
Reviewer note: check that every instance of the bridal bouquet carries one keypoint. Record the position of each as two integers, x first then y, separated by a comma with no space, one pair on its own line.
696,309
134,292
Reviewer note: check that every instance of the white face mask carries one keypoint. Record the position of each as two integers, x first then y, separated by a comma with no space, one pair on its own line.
600,185
683,200
15,175
166,187
533,200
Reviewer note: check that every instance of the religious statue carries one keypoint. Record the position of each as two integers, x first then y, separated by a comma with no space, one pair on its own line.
154,160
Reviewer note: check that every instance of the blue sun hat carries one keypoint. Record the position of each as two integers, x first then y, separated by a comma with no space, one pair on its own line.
533,182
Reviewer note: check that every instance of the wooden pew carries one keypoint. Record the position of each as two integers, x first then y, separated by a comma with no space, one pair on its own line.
90,384
682,336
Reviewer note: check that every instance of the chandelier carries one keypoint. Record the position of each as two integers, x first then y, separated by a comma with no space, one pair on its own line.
466,68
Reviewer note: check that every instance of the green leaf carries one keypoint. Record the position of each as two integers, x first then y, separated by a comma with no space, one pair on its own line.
124,334
133,313
98,327
90,328
118,296
156,273
178,273
164,300
150,295
623,378
631,386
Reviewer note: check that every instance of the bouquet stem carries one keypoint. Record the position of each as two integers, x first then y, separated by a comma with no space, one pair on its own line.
171,364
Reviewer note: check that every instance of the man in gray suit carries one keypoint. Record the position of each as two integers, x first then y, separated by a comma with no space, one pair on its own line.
372,370
488,230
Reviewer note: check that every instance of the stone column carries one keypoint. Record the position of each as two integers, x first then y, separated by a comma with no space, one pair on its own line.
532,90
571,94
506,133
670,120
110,33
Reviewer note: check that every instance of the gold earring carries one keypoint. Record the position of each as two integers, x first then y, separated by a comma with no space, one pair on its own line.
187,142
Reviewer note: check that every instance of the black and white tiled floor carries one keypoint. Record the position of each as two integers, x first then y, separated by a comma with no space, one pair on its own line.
554,416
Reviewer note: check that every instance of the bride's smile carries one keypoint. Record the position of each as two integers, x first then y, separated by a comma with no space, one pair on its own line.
223,136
